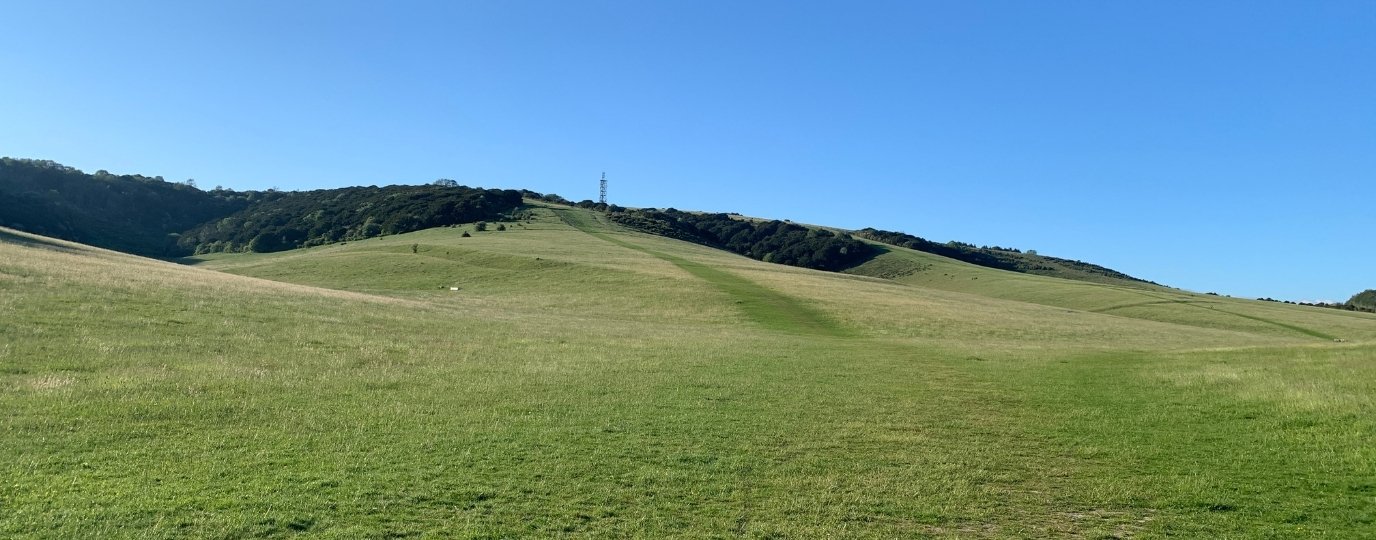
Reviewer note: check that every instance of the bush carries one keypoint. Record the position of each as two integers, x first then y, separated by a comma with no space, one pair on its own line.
465,234
501,227
480,226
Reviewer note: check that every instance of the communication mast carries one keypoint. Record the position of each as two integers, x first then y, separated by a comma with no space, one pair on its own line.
602,198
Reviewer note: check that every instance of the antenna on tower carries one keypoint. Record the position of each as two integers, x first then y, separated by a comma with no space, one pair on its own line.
602,198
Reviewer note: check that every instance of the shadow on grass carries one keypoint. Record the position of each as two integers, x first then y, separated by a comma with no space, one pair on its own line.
37,242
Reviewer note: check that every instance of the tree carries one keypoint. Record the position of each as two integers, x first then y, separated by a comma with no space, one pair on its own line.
480,226
446,182
266,242
501,227
1364,301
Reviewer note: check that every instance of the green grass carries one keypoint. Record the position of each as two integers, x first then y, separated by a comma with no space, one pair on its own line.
1141,302
769,308
595,382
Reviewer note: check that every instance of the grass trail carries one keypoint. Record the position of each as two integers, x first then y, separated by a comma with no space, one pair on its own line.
1137,304
1144,303
1291,327
766,307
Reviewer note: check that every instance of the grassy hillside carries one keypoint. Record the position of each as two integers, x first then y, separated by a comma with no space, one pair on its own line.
1016,260
590,381
152,217
1147,302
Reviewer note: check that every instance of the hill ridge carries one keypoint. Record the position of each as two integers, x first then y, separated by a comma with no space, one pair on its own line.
153,217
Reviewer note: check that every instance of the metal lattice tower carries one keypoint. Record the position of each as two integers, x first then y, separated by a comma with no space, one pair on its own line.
602,198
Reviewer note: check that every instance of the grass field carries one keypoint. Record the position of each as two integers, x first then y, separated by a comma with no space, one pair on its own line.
587,381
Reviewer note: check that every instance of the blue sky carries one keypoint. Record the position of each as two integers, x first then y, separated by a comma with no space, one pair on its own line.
1213,146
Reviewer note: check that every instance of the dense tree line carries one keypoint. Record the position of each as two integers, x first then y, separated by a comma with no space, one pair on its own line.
129,213
1012,259
307,218
153,217
771,241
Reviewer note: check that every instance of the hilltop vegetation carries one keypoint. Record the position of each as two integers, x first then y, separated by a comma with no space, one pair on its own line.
153,217
129,213
770,241
309,218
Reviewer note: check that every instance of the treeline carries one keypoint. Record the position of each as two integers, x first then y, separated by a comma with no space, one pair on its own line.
308,218
771,241
1364,301
153,217
129,213
1002,258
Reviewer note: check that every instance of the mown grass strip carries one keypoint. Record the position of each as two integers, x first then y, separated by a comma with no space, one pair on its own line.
766,307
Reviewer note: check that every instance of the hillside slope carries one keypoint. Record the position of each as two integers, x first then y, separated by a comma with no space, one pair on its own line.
1015,260
152,217
555,259
586,380
1147,302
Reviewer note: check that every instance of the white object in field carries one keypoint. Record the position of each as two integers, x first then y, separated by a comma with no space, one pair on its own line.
453,288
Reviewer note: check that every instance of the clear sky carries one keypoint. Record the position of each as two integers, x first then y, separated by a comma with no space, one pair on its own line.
1213,146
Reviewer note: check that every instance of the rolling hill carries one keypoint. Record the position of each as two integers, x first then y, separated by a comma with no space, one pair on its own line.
590,380
152,217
